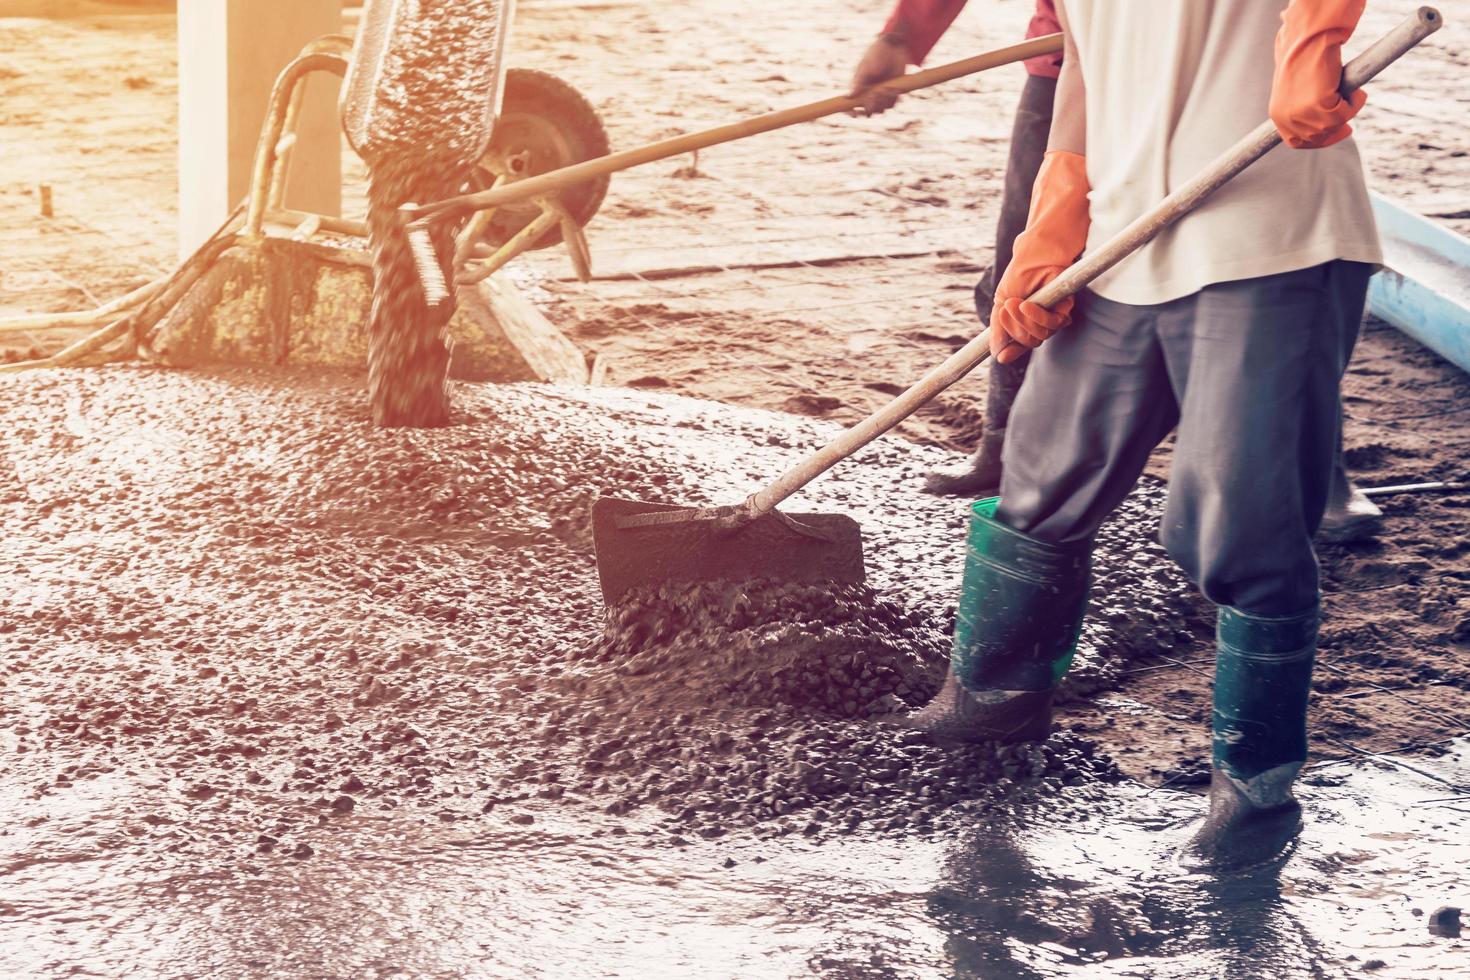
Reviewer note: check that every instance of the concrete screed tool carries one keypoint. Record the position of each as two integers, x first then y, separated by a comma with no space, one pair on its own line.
646,544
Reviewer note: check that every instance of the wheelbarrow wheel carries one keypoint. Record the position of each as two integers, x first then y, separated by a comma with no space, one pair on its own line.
554,126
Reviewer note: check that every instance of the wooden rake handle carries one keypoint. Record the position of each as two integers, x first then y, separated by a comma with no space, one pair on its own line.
1358,72
556,180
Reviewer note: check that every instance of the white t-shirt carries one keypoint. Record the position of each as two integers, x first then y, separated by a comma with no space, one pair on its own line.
1171,84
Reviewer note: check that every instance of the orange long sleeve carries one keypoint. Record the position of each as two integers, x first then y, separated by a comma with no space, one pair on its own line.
1055,235
921,23
1306,106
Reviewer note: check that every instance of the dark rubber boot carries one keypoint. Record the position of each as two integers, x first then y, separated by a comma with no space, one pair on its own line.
962,715
1251,822
1263,674
979,476
1350,516
1020,611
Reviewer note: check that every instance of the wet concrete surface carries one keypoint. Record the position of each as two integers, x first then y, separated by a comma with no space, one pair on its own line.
402,895
284,692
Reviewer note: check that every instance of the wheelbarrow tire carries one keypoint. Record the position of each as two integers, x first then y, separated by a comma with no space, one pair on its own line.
543,114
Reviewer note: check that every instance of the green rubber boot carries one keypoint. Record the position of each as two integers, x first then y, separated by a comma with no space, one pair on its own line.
1020,612
1263,674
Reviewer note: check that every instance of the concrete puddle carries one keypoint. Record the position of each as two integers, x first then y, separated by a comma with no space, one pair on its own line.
1092,897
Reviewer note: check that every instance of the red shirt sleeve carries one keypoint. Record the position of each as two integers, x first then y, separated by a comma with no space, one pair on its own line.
921,23
1045,22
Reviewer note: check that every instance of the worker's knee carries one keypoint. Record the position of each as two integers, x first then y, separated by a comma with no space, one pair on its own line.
1242,560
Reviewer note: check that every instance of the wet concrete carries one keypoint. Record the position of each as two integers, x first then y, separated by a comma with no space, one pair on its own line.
287,691
275,596
398,895
418,107
427,88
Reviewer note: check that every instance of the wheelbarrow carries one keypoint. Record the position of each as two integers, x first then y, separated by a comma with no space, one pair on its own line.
195,312
514,123
542,167
428,105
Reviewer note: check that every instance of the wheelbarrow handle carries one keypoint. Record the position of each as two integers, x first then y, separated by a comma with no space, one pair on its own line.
555,180
1378,56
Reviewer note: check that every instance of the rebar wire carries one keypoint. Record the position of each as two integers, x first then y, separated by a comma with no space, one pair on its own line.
653,277
1389,759
1171,665
43,275
766,241
1392,420
1397,750
1434,712
1384,756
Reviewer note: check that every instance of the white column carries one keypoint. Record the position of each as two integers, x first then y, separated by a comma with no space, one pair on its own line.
230,52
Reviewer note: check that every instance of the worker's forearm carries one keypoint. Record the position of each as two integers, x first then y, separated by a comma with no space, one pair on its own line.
921,23
1069,112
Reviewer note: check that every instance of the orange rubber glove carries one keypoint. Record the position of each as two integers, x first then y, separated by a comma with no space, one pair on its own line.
1056,233
1306,106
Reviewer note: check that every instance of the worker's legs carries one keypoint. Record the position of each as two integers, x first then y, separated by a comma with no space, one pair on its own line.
1350,515
1098,402
1030,131
980,474
1255,366
1250,370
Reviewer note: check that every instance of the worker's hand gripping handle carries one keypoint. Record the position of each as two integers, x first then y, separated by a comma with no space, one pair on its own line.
1358,72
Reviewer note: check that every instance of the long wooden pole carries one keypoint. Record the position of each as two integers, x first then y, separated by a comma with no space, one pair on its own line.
1382,53
554,180
82,318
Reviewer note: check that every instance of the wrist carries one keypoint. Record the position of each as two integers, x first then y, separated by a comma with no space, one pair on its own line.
898,42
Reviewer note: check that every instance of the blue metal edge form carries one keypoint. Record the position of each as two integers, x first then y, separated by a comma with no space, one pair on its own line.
1424,287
